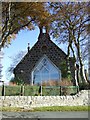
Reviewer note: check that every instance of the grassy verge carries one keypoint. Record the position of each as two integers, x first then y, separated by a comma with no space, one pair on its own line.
63,108
10,109
52,108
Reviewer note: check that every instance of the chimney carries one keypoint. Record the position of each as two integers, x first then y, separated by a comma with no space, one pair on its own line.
28,47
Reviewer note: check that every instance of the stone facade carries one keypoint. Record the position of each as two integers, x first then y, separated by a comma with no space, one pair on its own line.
80,99
44,46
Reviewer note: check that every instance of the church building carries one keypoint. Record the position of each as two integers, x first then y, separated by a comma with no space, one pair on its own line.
43,62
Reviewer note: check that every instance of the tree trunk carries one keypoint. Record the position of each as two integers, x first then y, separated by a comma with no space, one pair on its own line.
89,60
80,62
76,74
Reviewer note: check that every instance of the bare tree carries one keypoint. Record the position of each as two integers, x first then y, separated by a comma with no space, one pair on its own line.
1,56
89,60
15,60
70,25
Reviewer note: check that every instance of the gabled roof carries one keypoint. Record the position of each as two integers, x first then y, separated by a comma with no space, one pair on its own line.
44,46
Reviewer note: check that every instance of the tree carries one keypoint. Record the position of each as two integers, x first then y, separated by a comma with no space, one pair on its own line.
89,60
69,25
15,60
67,21
20,15
1,56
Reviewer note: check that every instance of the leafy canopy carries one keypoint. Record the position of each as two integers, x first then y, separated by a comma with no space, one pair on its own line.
21,15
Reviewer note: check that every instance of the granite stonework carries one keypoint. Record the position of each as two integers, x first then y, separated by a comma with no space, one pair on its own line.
80,99
44,46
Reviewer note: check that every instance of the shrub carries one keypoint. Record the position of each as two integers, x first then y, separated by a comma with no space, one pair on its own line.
84,86
65,82
50,83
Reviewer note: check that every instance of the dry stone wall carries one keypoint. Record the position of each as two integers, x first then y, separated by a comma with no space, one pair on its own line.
82,98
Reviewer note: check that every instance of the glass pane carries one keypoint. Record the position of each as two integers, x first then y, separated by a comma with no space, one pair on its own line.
54,76
36,72
45,71
45,77
40,66
36,79
45,63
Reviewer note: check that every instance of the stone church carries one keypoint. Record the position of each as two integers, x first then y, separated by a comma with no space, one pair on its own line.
43,62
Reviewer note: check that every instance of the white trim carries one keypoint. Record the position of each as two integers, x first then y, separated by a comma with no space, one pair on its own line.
44,56
38,63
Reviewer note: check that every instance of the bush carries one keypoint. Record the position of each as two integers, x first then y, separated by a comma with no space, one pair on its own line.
84,86
65,82
50,83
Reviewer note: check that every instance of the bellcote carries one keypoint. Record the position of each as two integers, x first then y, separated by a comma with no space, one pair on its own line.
43,34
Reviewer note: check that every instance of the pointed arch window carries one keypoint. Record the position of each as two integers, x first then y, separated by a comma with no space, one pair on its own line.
44,71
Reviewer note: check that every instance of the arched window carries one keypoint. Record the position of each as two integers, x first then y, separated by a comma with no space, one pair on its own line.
45,70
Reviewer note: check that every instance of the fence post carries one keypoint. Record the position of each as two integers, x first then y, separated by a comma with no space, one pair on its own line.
77,89
22,90
3,89
60,90
40,90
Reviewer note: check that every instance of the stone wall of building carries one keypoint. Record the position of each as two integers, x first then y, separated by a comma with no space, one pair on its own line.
82,98
44,46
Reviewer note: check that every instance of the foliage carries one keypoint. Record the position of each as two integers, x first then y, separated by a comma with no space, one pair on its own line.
65,87
70,20
85,86
65,82
70,25
21,15
64,69
50,83
67,21
16,81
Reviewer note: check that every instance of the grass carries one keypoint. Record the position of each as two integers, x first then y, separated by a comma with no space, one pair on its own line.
63,108
51,108
11,109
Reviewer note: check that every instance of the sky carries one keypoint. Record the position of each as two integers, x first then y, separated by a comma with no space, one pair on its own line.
20,44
